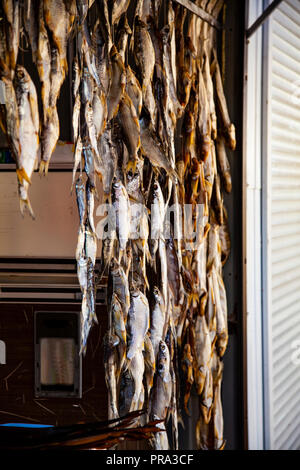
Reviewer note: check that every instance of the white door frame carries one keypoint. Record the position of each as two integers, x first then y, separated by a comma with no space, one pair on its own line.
252,229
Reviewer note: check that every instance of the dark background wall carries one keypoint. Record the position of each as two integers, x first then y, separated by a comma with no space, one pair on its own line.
17,400
233,360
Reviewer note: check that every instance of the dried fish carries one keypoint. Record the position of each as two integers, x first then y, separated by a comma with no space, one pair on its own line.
121,206
118,283
134,91
152,148
28,114
149,359
123,32
161,396
118,9
138,323
158,318
131,129
157,216
118,83
227,127
109,358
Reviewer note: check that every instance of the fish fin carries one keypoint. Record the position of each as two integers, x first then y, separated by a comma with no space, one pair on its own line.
131,165
25,203
44,166
94,317
82,350
22,175
36,164
126,364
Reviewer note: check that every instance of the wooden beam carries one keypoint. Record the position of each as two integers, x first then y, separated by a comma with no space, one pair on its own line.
200,12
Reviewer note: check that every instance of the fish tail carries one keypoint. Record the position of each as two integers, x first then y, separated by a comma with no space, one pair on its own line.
186,401
131,165
82,349
25,203
94,318
126,364
44,166
22,175
153,264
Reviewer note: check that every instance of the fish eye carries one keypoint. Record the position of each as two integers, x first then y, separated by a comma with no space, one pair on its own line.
160,367
130,174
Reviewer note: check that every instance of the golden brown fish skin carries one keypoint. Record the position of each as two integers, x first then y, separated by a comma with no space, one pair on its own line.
75,118
13,32
223,164
204,122
59,22
134,91
82,9
210,95
124,31
224,236
49,140
217,200
57,77
187,367
227,128
30,18
152,148
101,48
118,83
43,63
131,129
189,138
144,53
202,353
11,122
118,9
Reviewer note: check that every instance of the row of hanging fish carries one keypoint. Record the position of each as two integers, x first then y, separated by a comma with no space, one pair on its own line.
150,121
47,25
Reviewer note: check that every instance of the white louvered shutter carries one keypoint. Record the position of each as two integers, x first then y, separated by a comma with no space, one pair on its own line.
283,241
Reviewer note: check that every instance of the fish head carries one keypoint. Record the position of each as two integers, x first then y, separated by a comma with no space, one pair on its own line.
139,23
135,292
22,77
165,33
163,362
156,294
114,265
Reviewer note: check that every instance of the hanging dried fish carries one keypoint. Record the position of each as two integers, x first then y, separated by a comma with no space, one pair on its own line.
154,132
28,114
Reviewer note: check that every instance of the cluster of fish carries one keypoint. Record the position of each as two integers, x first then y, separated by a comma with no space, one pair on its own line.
166,297
150,120
47,25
